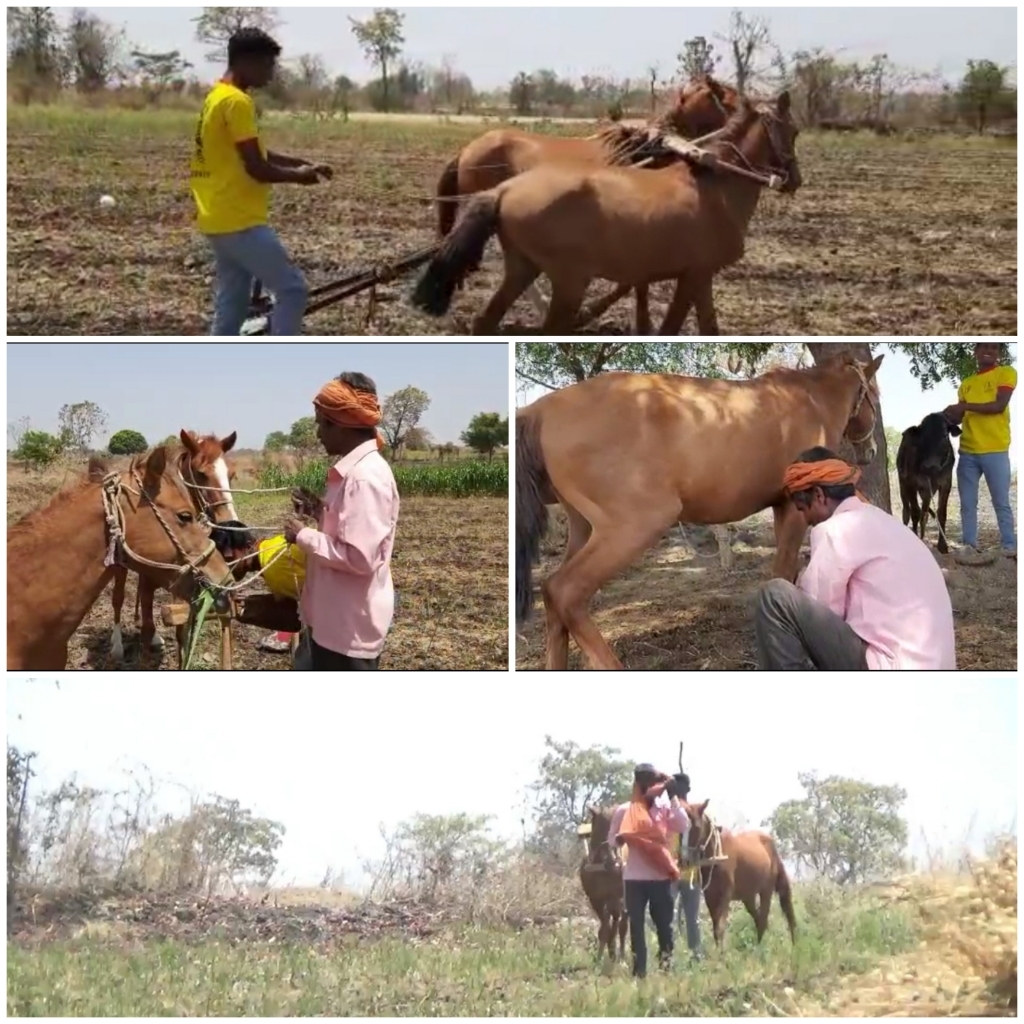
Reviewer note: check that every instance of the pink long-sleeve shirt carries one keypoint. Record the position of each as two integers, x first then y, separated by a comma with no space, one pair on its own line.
884,582
637,867
348,599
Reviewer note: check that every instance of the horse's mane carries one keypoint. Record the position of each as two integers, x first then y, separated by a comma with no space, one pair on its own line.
627,145
737,125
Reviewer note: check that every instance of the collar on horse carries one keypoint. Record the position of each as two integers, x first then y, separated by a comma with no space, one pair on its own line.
118,550
864,393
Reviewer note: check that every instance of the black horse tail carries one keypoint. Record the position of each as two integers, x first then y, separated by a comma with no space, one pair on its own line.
447,206
459,255
531,512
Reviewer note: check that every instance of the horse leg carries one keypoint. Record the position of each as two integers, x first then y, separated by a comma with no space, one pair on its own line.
520,273
750,902
599,308
623,929
678,309
557,634
149,637
117,601
612,547
789,534
566,299
763,910
643,309
704,297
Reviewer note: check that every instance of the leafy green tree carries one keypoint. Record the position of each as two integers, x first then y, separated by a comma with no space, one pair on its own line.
127,442
843,830
486,431
570,779
521,94
303,434
381,38
93,50
276,441
170,441
216,25
400,412
160,70
697,58
38,448
34,50
980,90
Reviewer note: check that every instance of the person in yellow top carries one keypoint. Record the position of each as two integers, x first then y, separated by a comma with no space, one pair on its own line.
983,410
231,175
689,885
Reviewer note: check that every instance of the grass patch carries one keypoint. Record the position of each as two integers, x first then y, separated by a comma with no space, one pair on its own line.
460,479
467,971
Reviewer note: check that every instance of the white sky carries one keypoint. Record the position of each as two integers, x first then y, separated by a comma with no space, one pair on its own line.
903,402
332,762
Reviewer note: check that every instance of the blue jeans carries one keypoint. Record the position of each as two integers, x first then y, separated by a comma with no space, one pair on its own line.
995,468
256,253
688,907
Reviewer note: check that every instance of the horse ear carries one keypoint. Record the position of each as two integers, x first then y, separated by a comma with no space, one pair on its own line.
874,365
784,103
156,464
228,442
701,808
189,442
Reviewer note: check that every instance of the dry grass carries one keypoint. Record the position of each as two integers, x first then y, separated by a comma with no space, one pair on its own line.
450,567
678,609
886,236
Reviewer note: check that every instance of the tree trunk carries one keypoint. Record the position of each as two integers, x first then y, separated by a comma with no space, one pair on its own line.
875,481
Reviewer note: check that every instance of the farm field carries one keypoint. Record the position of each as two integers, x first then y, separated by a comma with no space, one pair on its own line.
678,609
886,236
450,567
921,946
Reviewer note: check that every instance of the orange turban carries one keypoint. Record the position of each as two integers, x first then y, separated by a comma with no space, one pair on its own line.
802,476
343,405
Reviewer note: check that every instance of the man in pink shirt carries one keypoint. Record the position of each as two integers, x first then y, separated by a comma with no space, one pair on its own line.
348,599
872,595
648,880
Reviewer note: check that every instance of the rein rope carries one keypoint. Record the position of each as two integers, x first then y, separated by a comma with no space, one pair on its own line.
716,856
864,393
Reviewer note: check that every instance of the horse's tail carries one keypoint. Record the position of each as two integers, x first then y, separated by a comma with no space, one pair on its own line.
785,893
531,512
447,207
459,255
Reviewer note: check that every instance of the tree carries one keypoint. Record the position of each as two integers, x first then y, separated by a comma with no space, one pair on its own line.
400,412
127,442
19,771
819,81
419,439
980,90
342,94
276,441
843,830
520,94
303,434
486,431
216,25
38,448
78,424
34,45
16,431
93,51
697,59
747,38
570,779
159,69
381,38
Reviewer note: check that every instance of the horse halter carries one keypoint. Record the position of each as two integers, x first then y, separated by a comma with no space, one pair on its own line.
113,488
864,392
715,856
198,491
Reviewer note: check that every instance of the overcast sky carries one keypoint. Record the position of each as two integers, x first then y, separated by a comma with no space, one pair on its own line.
253,387
333,762
492,44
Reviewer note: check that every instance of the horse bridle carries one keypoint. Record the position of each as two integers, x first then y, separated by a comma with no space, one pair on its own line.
714,836
206,506
112,493
864,392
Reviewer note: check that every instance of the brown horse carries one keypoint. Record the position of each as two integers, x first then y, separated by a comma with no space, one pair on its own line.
60,557
629,455
601,875
751,872
701,107
206,474
623,224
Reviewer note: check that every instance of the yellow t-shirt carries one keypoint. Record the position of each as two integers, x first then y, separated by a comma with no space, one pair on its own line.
982,434
284,577
686,874
227,199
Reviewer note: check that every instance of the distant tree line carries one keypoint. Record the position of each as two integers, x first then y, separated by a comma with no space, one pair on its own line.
47,57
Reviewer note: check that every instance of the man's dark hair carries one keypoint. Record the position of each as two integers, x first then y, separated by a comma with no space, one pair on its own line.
834,492
251,42
359,381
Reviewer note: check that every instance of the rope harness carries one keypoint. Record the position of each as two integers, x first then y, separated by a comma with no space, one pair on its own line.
706,859
864,393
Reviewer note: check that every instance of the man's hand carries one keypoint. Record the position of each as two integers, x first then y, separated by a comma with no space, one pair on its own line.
955,413
292,528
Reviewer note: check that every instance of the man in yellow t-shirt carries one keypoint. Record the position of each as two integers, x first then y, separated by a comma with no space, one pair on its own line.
983,409
231,175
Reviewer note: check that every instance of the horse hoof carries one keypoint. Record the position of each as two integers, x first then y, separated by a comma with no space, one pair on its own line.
157,643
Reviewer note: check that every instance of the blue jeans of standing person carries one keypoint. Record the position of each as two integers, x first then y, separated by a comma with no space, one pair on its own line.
256,253
688,908
995,468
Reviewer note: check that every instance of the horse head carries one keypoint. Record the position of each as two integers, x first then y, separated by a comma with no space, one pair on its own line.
863,417
702,106
207,474
764,135
701,834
